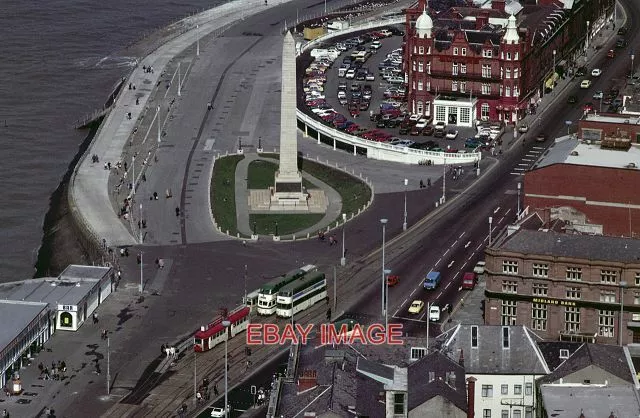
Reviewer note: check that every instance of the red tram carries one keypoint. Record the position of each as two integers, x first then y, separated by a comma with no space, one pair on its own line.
213,334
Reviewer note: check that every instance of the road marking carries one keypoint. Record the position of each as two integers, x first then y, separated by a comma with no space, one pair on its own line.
496,211
538,147
208,145
405,301
467,244
439,296
524,164
395,314
454,243
461,235
422,316
414,291
507,212
519,168
445,253
501,219
438,262
528,159
480,245
406,319
517,174
451,263
447,286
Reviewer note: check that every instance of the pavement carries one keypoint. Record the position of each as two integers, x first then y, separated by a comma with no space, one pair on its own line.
200,277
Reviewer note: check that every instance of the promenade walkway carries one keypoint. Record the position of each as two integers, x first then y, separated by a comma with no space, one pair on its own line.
89,186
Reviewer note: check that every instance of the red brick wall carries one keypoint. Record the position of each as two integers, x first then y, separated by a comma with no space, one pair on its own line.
611,128
601,184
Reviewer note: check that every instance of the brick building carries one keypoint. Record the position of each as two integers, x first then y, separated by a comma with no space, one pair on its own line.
565,286
603,185
468,63
594,127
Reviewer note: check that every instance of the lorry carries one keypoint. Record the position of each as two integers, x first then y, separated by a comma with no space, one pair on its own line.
469,280
432,280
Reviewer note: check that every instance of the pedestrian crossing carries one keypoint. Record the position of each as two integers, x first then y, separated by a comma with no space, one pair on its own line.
527,161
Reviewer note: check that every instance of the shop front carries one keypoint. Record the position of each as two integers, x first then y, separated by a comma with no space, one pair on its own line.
455,111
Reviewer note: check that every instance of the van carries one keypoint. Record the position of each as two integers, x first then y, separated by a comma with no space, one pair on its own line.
432,280
469,281
434,313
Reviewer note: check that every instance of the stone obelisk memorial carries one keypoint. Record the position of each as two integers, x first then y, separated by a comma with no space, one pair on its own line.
288,190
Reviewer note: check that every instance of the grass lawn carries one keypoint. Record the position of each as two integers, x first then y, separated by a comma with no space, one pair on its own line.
223,194
265,224
354,192
262,174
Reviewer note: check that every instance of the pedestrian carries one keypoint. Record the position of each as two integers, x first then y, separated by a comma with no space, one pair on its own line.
163,349
177,211
161,263
144,177
137,101
95,318
215,389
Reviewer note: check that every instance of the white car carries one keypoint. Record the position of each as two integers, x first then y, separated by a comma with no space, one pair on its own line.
598,95
217,412
523,128
414,117
370,77
585,84
350,74
451,134
479,268
434,313
596,72
421,123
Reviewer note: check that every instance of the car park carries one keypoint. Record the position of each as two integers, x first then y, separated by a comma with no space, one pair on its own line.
585,84
596,72
416,307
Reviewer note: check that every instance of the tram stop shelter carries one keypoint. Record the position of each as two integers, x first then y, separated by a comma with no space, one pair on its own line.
31,310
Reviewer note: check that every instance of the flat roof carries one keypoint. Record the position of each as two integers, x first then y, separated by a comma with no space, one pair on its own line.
76,271
569,150
52,291
15,316
589,247
613,118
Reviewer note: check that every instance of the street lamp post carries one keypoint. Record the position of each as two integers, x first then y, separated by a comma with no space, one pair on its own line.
518,212
179,83
141,263
587,43
133,176
387,272
226,325
490,221
623,284
140,228
276,234
245,284
343,260
444,180
404,225
384,225
197,40
554,62
158,117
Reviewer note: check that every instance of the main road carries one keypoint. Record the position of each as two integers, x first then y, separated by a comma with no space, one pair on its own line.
454,243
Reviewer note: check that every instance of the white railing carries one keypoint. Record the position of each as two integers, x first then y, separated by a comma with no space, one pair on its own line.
379,150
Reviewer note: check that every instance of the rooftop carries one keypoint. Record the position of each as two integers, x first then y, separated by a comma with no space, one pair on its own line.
556,352
79,272
568,150
488,353
15,316
610,358
52,291
590,247
569,401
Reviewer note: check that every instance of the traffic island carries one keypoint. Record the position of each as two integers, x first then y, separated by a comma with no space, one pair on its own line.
223,195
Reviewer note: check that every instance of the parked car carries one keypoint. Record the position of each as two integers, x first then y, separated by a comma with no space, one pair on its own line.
434,313
588,107
428,130
523,128
416,307
479,268
421,123
622,31
451,134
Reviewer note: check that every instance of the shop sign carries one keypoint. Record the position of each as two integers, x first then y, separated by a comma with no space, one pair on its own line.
553,302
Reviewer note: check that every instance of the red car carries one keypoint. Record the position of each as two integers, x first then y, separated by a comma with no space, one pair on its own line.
588,107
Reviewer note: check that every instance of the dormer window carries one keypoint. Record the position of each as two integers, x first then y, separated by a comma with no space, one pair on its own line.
464,52
487,53
505,337
564,354
455,51
418,352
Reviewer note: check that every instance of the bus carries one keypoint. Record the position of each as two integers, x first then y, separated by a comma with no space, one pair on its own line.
268,292
213,334
301,294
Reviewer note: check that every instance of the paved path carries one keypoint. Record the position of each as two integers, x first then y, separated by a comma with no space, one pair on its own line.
242,196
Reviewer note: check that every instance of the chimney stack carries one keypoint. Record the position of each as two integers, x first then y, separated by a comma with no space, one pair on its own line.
498,5
461,359
471,397
482,19
308,379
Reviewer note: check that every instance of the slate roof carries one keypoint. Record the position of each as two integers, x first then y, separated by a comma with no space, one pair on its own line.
610,358
421,390
551,351
590,247
522,356
593,401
